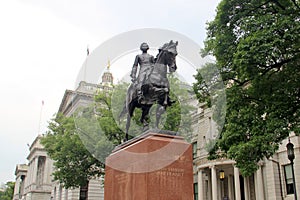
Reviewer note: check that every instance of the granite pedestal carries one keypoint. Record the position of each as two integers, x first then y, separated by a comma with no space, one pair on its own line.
151,167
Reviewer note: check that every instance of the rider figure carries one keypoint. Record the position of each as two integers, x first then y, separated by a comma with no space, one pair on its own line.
146,62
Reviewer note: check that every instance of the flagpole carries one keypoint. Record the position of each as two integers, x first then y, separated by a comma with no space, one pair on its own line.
87,55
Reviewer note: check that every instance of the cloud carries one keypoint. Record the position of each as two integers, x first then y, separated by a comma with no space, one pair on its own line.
40,58
43,45
98,16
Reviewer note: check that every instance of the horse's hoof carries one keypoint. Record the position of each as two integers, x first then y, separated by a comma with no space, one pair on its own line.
145,128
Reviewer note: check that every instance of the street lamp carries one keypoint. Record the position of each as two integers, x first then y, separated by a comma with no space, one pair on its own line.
222,175
291,157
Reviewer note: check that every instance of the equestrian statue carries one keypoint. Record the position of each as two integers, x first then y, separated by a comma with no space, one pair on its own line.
151,86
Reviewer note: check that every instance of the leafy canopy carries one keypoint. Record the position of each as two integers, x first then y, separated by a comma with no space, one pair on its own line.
8,192
257,49
79,144
74,164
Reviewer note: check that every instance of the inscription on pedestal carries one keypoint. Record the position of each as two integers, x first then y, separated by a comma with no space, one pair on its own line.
122,178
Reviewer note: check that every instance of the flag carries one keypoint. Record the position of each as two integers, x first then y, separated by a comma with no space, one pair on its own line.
42,102
87,51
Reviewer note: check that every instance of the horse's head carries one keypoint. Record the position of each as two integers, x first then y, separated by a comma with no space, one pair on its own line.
167,55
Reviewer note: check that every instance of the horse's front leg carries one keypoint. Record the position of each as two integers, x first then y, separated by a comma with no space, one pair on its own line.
165,99
159,111
144,118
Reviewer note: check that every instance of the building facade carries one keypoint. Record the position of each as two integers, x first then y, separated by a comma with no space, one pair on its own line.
221,180
34,180
21,174
72,100
213,179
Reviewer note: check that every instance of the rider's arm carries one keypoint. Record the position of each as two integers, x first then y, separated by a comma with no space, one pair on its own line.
152,60
134,67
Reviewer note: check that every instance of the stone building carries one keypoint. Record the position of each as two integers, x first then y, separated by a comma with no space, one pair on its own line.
34,180
272,181
20,173
220,179
72,100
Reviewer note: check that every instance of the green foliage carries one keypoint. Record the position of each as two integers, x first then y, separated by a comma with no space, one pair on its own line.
210,89
257,49
118,102
8,192
80,144
178,116
105,113
74,164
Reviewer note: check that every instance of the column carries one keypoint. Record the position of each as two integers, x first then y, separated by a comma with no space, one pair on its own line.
255,185
260,185
28,177
29,174
209,187
220,188
246,188
34,170
17,186
47,171
200,184
230,196
214,183
237,183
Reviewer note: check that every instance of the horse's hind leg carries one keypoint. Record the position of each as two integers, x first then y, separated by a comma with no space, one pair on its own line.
129,115
144,117
127,127
159,111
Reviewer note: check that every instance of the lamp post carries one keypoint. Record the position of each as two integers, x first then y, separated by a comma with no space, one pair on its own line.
291,157
222,175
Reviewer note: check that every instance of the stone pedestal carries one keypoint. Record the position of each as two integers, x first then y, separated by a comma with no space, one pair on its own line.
151,167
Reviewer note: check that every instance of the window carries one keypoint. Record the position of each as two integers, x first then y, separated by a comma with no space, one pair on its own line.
195,191
194,149
289,179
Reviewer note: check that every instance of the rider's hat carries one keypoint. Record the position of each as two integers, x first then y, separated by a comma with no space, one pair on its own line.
144,45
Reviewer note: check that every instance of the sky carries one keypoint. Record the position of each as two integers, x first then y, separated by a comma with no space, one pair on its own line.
43,47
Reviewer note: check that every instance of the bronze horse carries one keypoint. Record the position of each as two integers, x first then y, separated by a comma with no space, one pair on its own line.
155,88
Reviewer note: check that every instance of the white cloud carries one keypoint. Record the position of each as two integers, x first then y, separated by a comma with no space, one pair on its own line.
43,45
40,58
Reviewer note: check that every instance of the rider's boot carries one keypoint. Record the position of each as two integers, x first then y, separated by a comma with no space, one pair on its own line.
140,96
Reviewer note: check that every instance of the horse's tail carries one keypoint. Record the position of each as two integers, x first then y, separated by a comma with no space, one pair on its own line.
123,113
129,97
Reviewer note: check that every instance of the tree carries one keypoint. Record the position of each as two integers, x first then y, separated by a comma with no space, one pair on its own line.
178,116
80,144
8,192
257,49
74,164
